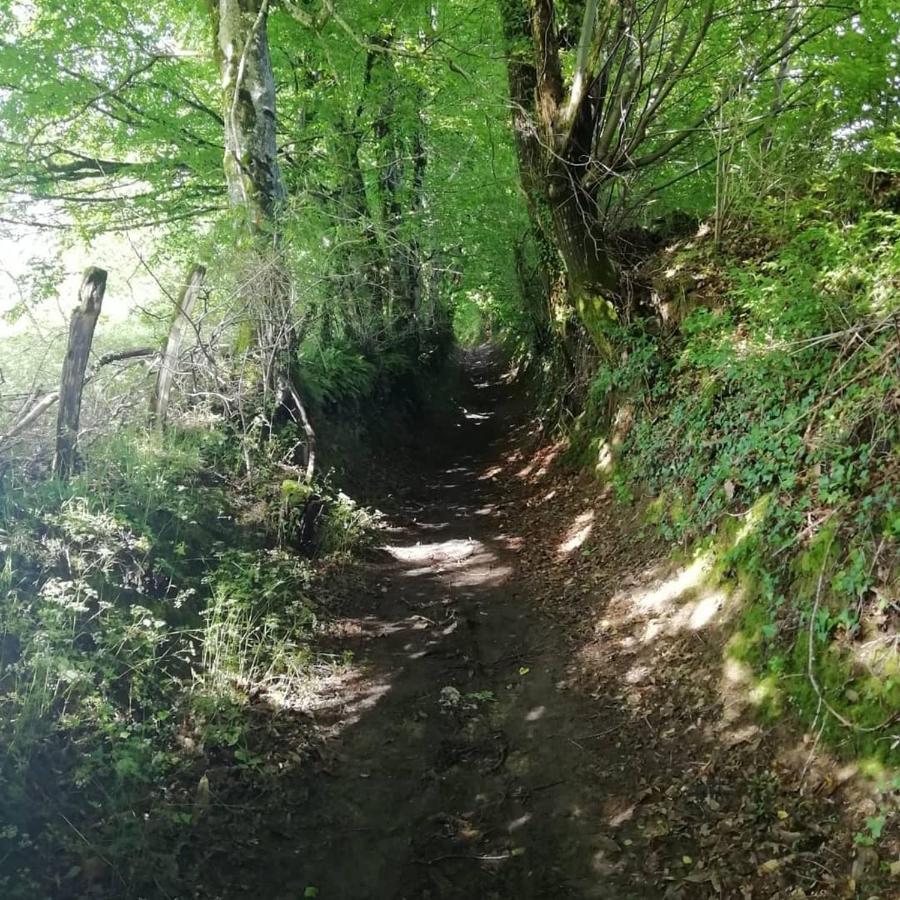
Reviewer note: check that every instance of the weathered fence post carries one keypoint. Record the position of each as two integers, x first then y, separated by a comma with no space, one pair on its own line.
81,335
159,401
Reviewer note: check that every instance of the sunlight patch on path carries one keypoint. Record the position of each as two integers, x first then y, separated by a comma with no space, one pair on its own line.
579,531
466,561
669,603
477,417
454,550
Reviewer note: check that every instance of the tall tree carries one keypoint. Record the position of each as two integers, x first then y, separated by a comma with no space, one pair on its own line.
599,102
255,185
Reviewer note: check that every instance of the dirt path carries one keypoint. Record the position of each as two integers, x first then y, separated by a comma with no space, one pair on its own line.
459,766
505,734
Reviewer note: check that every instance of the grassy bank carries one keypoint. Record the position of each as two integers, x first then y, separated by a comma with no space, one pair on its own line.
154,605
757,416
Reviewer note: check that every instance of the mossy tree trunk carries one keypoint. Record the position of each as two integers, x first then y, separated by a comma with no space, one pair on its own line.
563,214
257,192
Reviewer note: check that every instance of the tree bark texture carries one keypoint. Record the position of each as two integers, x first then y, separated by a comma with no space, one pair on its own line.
242,52
563,213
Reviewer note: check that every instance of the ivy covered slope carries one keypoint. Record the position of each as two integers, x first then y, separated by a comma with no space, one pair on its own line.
761,426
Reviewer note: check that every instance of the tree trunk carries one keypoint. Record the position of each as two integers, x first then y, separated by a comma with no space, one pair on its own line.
159,402
81,336
360,282
390,180
564,216
248,84
523,79
579,236
590,271
256,188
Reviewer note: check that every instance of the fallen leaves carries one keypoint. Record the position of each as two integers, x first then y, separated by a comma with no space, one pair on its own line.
714,816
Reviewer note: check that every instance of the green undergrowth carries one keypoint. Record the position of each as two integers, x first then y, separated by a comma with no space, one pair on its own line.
341,376
763,422
143,605
152,605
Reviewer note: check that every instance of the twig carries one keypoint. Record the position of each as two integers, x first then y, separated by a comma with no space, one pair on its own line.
546,787
599,734
91,846
437,859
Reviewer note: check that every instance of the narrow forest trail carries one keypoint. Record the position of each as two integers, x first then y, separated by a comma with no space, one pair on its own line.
455,769
489,744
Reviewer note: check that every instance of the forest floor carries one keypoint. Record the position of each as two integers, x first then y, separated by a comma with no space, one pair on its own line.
537,706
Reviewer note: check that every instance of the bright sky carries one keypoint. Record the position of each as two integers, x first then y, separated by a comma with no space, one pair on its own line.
129,283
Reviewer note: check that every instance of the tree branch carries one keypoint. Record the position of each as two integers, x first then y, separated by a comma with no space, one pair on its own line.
46,401
772,57
580,78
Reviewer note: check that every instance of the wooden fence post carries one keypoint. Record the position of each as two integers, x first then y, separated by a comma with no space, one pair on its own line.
159,401
81,335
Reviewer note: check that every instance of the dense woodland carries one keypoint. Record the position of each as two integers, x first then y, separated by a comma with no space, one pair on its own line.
248,247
